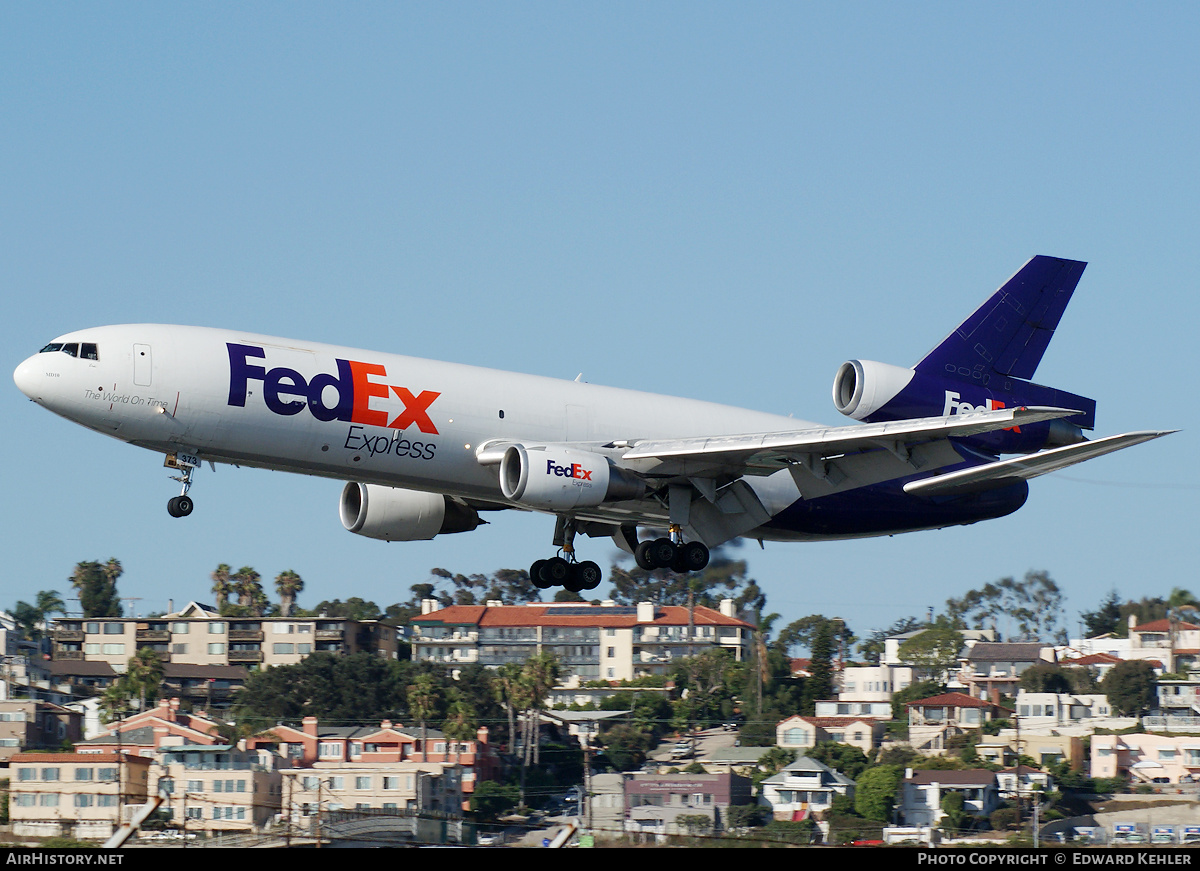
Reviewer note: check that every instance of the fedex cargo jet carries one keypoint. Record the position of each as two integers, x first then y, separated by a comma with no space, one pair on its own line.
427,448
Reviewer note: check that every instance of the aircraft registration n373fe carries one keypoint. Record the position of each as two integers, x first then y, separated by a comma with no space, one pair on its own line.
425,446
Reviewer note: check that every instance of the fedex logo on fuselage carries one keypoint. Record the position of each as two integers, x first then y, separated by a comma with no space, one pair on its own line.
955,406
285,391
574,470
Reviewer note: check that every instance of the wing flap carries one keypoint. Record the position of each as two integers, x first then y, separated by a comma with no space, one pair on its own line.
1004,472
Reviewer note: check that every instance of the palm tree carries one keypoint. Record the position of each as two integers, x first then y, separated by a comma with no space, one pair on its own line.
422,704
460,725
246,582
508,691
288,584
144,674
222,584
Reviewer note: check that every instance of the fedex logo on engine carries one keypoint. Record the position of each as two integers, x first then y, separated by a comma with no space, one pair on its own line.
285,391
574,470
955,406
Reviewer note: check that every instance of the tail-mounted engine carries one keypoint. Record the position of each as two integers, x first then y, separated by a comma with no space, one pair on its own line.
558,478
872,392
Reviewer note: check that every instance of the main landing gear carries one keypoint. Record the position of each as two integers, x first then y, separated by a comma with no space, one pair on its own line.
181,505
565,570
672,553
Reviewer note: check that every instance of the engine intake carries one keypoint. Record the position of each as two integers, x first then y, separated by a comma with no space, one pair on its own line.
557,478
393,514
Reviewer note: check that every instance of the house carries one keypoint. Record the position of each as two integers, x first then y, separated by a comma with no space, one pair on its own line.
1046,747
1023,782
873,684
803,733
1079,713
1147,758
73,795
932,720
655,802
1174,642
803,788
144,732
876,710
28,724
992,669
593,642
922,793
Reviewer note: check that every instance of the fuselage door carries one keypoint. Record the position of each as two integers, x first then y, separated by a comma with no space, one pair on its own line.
143,365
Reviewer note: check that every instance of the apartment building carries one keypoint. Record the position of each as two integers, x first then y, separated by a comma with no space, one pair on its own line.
1147,758
593,642
219,788
655,802
380,748
201,637
424,787
75,795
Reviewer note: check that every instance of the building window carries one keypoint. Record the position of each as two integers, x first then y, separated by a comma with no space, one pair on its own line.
216,649
217,628
283,647
84,773
83,800
49,774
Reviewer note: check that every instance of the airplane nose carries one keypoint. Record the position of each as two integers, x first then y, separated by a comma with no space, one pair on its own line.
26,378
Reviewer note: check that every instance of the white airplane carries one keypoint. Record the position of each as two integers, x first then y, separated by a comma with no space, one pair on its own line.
427,446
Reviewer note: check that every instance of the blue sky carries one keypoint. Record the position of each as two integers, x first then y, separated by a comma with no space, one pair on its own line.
722,201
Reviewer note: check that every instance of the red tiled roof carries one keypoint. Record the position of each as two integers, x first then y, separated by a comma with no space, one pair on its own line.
597,615
1164,626
1094,659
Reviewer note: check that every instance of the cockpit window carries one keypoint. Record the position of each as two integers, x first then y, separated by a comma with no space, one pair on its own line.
86,350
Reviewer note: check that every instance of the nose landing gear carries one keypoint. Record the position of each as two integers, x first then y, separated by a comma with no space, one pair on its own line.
182,505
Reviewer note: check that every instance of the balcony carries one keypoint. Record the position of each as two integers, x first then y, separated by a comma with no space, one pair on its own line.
153,636
245,635
68,635
245,656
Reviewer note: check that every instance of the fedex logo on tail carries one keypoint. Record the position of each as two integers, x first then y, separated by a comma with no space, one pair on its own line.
955,406
285,391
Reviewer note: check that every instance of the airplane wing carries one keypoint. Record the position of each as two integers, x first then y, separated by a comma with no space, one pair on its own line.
1004,472
828,459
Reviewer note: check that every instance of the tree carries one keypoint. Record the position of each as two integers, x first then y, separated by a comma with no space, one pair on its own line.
954,813
820,681
222,587
1027,610
872,647
846,758
422,704
461,724
1131,687
1105,619
247,583
935,651
96,585
288,585
875,793
1045,678
31,619
144,674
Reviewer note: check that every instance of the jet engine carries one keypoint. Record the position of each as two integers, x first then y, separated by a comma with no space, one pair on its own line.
393,514
874,392
558,478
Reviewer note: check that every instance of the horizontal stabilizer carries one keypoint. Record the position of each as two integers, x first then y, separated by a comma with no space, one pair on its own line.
1005,472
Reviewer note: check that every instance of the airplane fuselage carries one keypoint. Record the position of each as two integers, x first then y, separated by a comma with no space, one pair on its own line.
404,422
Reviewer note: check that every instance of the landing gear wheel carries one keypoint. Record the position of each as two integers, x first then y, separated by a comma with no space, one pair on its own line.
661,552
584,576
535,575
180,506
555,571
693,556
641,556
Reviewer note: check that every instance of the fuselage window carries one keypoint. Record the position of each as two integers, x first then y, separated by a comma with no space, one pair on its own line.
53,346
87,351
71,348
